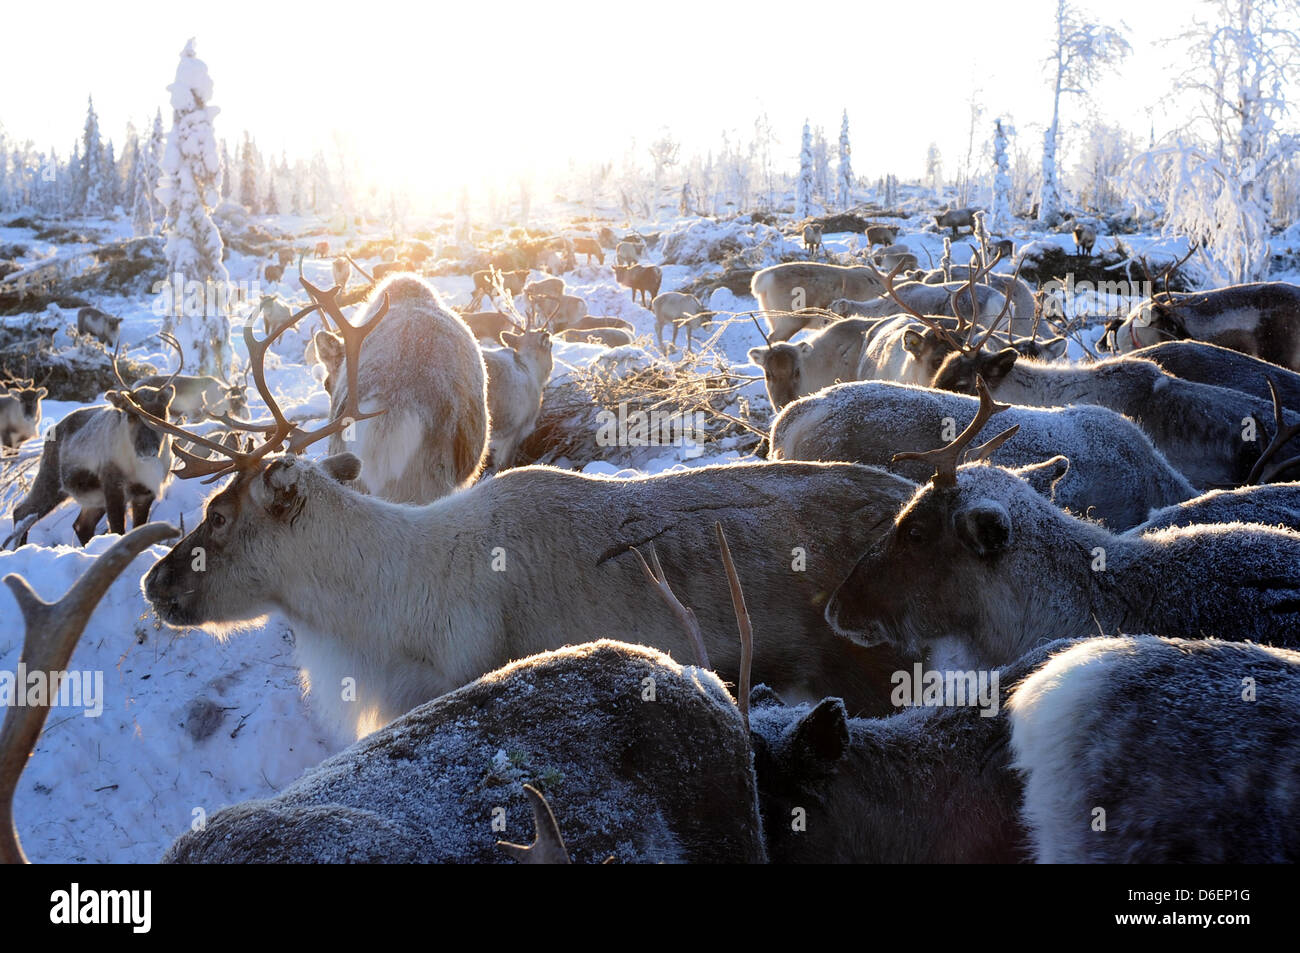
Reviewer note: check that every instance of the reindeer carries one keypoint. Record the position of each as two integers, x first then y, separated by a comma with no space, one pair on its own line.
273,310
606,337
322,249
1023,305
341,269
99,325
1222,367
196,397
826,357
881,235
957,218
1077,725
679,310
424,364
453,616
273,273
603,737
1085,236
285,256
1204,431
1113,474
801,285
511,282
386,268
896,256
583,245
1257,319
812,239
628,253
20,411
947,579
642,279
488,325
516,375
593,322
104,458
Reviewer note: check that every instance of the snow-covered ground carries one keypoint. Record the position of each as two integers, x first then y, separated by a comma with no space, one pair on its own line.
191,724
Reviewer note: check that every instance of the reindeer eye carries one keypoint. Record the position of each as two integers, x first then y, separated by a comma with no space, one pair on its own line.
217,520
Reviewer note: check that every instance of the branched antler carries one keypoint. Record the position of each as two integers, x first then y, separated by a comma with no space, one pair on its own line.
947,459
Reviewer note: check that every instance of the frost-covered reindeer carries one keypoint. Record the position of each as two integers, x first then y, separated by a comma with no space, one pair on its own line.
956,218
1079,725
273,311
584,245
645,761
104,458
20,411
424,368
979,567
1113,474
1206,432
424,599
798,285
1223,367
100,325
516,375
644,280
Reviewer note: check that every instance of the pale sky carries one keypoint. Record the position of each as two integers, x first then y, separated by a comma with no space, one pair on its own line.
481,92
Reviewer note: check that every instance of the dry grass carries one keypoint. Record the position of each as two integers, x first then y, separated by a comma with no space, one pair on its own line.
700,381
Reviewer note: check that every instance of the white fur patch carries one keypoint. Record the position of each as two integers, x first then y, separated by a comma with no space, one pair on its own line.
1047,712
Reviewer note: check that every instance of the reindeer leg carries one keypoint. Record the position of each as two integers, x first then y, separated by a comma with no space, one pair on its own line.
115,500
141,504
86,522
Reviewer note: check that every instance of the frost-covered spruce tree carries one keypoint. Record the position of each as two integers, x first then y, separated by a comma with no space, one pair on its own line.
844,173
1000,209
821,152
92,198
1080,52
142,220
803,186
1214,183
190,190
249,195
152,156
934,170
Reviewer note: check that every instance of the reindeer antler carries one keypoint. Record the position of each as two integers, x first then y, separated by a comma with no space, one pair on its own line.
282,433
1262,472
548,843
52,631
947,459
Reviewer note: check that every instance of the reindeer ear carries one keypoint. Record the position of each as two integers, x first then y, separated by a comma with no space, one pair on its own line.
984,527
999,365
277,490
329,348
758,355
1055,347
913,343
823,734
343,467
1044,476
511,340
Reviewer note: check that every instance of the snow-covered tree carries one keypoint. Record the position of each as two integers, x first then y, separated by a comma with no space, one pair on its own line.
821,151
1080,52
153,156
844,173
999,218
934,170
1214,187
92,180
142,220
190,190
1098,178
249,195
663,156
108,177
803,186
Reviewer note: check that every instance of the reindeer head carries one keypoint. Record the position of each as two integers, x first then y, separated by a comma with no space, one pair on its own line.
261,518
782,365
257,520
950,564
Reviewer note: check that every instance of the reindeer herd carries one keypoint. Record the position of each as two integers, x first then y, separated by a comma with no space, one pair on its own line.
1121,559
